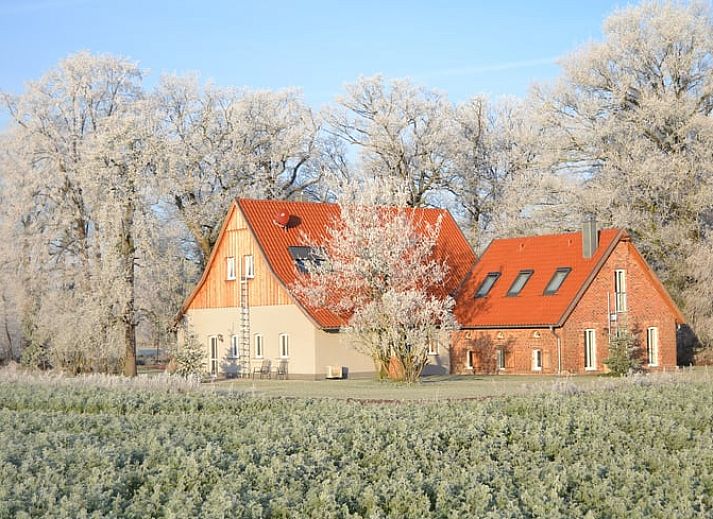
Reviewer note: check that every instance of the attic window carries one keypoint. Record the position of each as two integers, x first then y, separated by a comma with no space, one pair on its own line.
557,279
520,282
302,256
487,284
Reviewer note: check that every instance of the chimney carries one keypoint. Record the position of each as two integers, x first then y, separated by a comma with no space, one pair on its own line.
590,236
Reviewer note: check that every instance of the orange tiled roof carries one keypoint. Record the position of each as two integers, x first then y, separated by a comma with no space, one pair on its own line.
543,255
313,219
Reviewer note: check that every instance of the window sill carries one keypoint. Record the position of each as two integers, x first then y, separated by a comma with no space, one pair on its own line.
653,365
537,369
432,354
590,369
230,279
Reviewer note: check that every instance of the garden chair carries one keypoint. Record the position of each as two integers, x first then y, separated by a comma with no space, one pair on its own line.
281,370
262,370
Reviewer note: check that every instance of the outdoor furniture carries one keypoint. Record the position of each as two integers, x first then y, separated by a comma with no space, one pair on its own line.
281,370
263,370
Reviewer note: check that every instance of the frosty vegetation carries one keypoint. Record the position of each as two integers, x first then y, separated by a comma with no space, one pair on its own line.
112,194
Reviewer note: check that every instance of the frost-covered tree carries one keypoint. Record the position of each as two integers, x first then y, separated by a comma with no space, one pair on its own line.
223,143
381,275
401,131
81,157
633,112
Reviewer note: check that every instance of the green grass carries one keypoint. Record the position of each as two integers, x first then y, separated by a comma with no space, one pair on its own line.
158,447
453,387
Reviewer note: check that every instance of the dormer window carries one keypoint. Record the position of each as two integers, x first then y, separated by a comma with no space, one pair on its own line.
520,282
557,279
487,284
304,256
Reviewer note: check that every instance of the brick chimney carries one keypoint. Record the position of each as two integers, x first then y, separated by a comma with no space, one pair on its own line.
590,235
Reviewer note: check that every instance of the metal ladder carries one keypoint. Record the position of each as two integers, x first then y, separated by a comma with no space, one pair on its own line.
244,329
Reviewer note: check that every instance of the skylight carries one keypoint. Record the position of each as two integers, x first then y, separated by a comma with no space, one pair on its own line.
557,279
302,256
487,284
520,282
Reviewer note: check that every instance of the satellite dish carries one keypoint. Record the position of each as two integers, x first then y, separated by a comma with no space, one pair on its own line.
282,219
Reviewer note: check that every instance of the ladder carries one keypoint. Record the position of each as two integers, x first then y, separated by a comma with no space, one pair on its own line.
244,346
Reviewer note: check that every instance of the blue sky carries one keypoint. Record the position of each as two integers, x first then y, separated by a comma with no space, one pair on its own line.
463,48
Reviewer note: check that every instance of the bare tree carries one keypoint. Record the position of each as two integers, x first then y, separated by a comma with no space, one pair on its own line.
633,114
401,132
224,143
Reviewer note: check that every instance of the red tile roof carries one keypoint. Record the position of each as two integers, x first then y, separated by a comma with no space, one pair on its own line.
313,219
542,254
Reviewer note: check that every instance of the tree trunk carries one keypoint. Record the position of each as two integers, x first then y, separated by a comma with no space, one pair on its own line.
127,250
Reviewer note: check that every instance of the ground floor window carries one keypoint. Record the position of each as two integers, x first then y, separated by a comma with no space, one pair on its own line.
234,351
284,345
433,347
590,349
536,360
259,346
213,346
501,358
469,359
652,346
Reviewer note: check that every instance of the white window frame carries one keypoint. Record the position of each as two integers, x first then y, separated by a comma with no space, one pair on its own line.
536,359
248,266
500,359
590,349
652,346
433,348
259,341
469,359
284,345
234,346
213,359
230,268
620,290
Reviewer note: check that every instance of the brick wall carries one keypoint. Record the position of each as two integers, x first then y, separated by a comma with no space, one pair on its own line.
646,307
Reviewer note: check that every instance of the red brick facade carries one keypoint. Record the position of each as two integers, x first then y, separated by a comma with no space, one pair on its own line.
647,307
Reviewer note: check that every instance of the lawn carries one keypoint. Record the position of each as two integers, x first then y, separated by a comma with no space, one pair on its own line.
159,447
429,388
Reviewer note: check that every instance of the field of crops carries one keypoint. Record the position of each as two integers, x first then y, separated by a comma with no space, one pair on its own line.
83,450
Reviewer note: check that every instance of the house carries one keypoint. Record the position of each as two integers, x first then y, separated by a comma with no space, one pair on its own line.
242,309
539,304
550,304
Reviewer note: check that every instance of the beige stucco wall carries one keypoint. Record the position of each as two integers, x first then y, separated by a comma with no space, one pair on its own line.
335,349
311,349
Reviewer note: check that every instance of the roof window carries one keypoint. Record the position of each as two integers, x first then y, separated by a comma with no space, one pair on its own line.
520,282
303,256
557,279
487,284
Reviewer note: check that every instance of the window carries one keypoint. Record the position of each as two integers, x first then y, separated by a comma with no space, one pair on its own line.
230,268
304,256
248,266
557,279
284,345
590,350
501,358
536,360
234,348
259,345
519,282
213,346
620,290
469,360
652,346
433,347
487,284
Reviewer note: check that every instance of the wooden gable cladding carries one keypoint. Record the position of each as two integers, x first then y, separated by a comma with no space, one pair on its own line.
214,290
